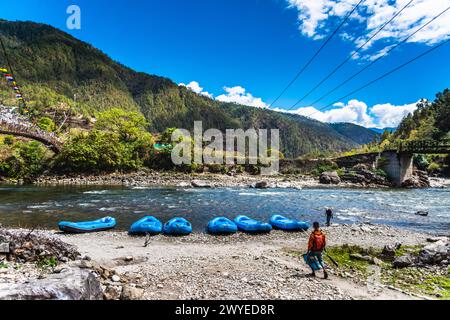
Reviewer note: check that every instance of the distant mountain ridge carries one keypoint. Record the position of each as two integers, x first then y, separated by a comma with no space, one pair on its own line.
381,131
53,67
356,133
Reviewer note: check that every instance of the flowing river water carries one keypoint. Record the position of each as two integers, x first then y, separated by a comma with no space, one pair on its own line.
33,206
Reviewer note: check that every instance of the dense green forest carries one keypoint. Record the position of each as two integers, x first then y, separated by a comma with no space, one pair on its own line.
431,120
64,77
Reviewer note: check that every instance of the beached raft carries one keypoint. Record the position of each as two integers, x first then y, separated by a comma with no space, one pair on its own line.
177,227
249,225
280,222
222,225
87,226
147,225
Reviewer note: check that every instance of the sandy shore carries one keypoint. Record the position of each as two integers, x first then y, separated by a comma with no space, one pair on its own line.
236,267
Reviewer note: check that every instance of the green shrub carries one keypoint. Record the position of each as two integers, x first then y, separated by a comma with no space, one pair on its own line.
8,140
47,124
27,160
324,168
434,167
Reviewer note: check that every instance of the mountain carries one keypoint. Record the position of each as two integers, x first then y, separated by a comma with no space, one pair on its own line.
356,133
381,131
53,68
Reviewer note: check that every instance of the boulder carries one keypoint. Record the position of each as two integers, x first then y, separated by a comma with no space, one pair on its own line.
131,293
389,250
112,293
357,256
330,178
435,253
200,184
403,262
418,180
69,284
4,248
261,185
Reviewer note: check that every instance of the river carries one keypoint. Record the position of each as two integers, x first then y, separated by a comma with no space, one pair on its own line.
32,206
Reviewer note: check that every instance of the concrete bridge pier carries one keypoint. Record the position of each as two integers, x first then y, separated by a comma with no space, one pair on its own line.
398,166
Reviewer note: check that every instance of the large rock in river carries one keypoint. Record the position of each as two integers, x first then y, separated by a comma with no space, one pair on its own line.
70,284
330,178
201,184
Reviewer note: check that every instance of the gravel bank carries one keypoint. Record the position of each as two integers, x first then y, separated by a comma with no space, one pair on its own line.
235,267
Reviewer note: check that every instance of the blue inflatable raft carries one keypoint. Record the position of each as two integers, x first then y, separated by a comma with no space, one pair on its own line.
222,225
249,225
283,223
147,225
312,262
177,227
88,226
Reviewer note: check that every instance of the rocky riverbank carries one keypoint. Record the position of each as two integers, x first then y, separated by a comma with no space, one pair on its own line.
210,180
205,267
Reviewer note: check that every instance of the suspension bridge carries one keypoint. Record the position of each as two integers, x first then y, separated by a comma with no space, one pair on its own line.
12,123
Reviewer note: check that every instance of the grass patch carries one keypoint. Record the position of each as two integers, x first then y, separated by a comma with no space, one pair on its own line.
433,282
47,263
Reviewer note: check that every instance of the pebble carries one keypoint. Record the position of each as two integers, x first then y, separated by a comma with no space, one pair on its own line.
115,278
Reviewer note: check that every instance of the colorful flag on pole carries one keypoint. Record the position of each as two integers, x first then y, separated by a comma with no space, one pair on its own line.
3,70
18,96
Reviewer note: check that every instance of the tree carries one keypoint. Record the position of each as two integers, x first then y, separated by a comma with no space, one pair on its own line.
128,125
442,107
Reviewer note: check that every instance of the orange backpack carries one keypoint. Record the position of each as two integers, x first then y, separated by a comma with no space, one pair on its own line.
319,241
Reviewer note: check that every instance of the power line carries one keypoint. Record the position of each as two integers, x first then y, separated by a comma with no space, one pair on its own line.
383,76
316,54
351,56
379,58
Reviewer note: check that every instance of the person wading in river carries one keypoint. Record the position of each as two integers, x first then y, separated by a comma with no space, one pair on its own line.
316,246
329,214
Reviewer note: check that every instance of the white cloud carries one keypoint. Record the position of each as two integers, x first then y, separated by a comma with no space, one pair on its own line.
239,95
195,87
235,94
315,16
357,112
354,111
388,115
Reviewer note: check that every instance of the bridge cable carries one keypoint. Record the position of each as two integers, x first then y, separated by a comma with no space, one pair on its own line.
383,76
352,55
316,53
376,60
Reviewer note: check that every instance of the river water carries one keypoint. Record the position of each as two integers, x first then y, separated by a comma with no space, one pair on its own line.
29,206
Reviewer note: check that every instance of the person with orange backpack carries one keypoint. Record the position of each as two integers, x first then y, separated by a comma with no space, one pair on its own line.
316,245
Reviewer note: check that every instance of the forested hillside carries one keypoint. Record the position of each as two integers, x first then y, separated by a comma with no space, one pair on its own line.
358,134
60,73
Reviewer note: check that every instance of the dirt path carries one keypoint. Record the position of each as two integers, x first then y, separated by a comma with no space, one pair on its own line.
236,267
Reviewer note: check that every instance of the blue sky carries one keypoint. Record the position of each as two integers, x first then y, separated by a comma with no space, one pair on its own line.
247,51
